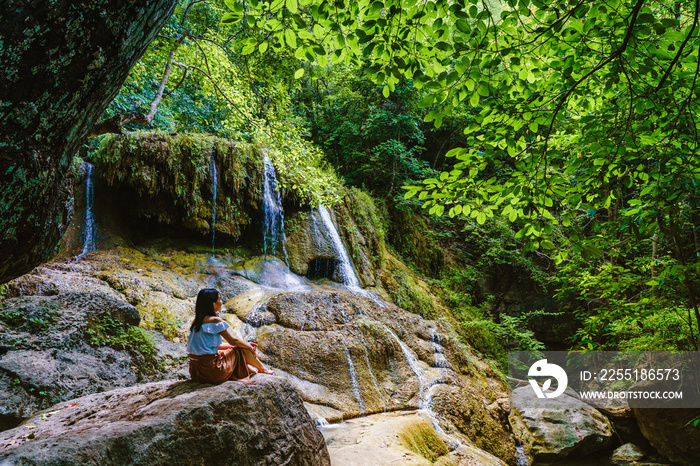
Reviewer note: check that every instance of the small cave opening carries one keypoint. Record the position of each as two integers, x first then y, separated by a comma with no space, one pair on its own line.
322,267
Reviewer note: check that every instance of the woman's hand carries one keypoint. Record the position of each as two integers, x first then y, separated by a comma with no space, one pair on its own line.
255,348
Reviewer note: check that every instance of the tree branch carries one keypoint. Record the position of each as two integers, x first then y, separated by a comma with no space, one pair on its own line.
680,50
628,35
216,86
115,124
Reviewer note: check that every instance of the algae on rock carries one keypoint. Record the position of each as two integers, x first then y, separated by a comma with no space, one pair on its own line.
165,177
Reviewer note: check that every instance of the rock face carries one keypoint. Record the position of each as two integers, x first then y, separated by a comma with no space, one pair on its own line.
667,426
307,241
174,423
554,428
346,354
64,65
310,247
56,348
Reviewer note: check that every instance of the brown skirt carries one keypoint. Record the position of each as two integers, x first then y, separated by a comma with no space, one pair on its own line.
227,364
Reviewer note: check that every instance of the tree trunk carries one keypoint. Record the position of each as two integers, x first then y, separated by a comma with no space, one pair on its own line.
62,63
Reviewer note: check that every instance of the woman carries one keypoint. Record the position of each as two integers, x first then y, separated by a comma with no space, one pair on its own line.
210,360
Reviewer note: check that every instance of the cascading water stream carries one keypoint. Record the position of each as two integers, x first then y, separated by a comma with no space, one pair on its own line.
353,378
440,360
273,213
89,227
346,272
213,174
425,390
520,455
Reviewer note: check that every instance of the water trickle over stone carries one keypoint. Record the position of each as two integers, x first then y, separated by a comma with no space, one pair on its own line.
273,213
346,272
89,226
214,191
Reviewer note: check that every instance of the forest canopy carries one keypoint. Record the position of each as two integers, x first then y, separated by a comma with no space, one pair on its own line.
573,121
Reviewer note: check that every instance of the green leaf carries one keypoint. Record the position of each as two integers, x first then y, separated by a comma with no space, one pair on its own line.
292,6
230,18
290,38
474,100
299,73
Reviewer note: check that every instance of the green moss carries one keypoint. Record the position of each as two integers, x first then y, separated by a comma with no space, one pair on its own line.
410,297
421,438
367,220
166,177
159,318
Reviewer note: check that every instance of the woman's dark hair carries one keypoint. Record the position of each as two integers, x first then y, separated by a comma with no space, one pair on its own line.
204,307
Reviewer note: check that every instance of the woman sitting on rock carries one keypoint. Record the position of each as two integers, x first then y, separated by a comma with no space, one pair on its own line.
211,360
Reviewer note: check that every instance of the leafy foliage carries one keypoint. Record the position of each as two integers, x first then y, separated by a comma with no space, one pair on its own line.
214,89
587,118
107,331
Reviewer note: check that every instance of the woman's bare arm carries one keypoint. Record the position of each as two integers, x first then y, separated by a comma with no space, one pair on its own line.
233,341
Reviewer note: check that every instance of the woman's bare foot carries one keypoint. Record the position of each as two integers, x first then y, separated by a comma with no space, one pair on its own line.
267,371
246,380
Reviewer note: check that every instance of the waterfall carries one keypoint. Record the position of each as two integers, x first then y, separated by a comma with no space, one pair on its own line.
440,360
89,227
214,191
346,272
425,391
273,214
355,383
410,359
520,454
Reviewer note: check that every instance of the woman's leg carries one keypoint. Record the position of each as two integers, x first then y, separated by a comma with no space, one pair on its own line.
252,360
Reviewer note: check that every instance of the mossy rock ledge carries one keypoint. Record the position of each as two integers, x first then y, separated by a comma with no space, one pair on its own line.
169,180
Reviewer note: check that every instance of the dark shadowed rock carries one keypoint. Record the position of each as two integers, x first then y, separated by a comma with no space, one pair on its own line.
173,423
63,63
668,427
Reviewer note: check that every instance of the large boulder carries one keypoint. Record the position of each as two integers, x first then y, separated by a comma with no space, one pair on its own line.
627,453
670,434
668,425
554,428
174,423
55,348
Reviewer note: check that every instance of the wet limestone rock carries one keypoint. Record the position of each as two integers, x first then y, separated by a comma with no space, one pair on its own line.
174,423
468,410
553,428
307,240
